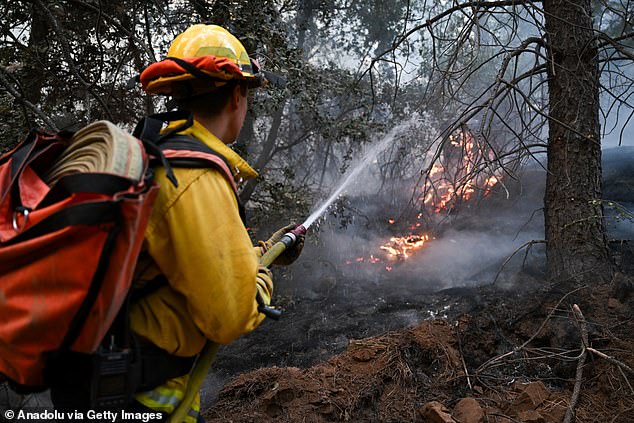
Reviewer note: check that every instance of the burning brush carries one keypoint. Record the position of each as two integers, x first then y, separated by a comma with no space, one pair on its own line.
457,177
399,248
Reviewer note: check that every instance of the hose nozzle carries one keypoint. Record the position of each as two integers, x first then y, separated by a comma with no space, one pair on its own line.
290,237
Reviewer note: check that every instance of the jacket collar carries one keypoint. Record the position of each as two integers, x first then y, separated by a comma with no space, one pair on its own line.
239,167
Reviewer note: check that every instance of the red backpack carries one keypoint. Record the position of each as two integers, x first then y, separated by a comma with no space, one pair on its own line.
68,253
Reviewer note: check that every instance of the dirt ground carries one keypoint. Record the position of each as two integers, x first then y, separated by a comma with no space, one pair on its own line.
489,354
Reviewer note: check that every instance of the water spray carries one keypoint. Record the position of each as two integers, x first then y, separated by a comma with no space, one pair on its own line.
289,239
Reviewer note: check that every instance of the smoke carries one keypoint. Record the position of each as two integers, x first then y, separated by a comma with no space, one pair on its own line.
482,242
466,251
462,258
344,261
618,192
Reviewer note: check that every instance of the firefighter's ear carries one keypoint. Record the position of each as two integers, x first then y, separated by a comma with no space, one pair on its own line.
236,97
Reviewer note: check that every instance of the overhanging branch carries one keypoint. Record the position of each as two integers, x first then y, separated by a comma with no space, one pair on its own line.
16,94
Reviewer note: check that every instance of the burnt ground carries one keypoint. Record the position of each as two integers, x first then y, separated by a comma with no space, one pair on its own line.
513,349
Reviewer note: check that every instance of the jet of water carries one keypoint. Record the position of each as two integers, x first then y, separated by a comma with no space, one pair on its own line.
354,171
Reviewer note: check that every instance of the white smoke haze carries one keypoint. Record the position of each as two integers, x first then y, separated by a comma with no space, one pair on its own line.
469,248
467,256
461,258
406,148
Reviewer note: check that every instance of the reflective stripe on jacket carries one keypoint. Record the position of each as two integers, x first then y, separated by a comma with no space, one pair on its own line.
166,398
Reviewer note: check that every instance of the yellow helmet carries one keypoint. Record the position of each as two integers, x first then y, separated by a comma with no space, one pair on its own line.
199,60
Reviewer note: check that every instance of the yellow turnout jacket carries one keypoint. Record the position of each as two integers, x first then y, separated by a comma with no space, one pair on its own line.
196,238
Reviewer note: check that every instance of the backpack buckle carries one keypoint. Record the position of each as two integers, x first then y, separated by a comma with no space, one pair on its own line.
24,211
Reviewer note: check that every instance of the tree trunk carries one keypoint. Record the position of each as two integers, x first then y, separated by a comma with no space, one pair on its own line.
304,20
576,240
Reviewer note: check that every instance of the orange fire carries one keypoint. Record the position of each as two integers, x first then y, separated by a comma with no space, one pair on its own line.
455,178
400,247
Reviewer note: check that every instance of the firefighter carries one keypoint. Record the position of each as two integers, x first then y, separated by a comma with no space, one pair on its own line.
196,237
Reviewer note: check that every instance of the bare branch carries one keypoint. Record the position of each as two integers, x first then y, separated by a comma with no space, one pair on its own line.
459,7
617,46
612,360
16,94
498,358
66,49
583,328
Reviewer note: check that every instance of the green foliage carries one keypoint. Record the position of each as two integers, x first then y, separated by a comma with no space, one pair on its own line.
67,61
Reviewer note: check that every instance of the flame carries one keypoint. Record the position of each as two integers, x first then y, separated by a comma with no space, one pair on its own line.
400,247
437,168
489,183
455,178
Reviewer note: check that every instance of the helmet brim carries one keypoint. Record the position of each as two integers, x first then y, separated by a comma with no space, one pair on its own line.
186,77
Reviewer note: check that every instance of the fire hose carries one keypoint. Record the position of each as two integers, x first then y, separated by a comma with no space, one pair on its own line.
208,353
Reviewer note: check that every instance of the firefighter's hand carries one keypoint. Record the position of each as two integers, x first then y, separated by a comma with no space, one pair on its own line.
264,284
290,254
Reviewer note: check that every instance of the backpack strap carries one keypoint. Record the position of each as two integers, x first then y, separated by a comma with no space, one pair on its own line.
148,130
185,151
19,158
172,149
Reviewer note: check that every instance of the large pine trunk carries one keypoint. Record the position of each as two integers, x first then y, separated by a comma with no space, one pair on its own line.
577,248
